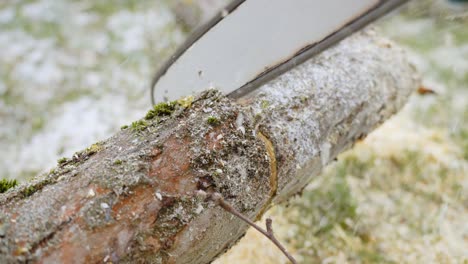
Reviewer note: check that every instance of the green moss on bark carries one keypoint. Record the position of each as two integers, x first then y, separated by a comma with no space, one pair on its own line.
6,184
213,120
139,125
161,109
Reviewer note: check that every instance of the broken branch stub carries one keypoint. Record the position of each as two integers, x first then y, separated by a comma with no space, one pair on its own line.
133,197
219,200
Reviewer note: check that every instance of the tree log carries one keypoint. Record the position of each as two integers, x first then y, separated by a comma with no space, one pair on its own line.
135,197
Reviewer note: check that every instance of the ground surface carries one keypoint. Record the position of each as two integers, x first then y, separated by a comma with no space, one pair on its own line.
73,72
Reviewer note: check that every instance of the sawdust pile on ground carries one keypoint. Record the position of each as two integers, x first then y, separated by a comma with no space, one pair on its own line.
72,72
401,195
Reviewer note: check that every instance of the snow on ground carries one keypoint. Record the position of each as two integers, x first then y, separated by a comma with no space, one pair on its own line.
73,72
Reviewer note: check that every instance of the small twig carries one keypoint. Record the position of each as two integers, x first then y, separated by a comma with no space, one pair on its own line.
219,200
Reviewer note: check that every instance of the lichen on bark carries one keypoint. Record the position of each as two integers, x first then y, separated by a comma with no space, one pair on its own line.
160,166
134,198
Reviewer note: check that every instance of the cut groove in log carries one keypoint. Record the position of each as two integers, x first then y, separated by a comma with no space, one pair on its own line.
132,198
270,151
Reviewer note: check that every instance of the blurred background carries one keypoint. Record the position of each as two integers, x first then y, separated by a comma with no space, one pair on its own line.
74,72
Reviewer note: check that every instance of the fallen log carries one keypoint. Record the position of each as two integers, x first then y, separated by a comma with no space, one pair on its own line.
136,197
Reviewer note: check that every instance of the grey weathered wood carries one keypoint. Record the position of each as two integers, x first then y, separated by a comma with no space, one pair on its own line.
134,197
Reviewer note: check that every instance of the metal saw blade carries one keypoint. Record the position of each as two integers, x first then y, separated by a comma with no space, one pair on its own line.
251,42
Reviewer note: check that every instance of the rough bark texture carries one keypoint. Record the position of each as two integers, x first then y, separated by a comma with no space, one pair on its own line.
133,197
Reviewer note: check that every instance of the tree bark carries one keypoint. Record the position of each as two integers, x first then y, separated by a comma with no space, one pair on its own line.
135,197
